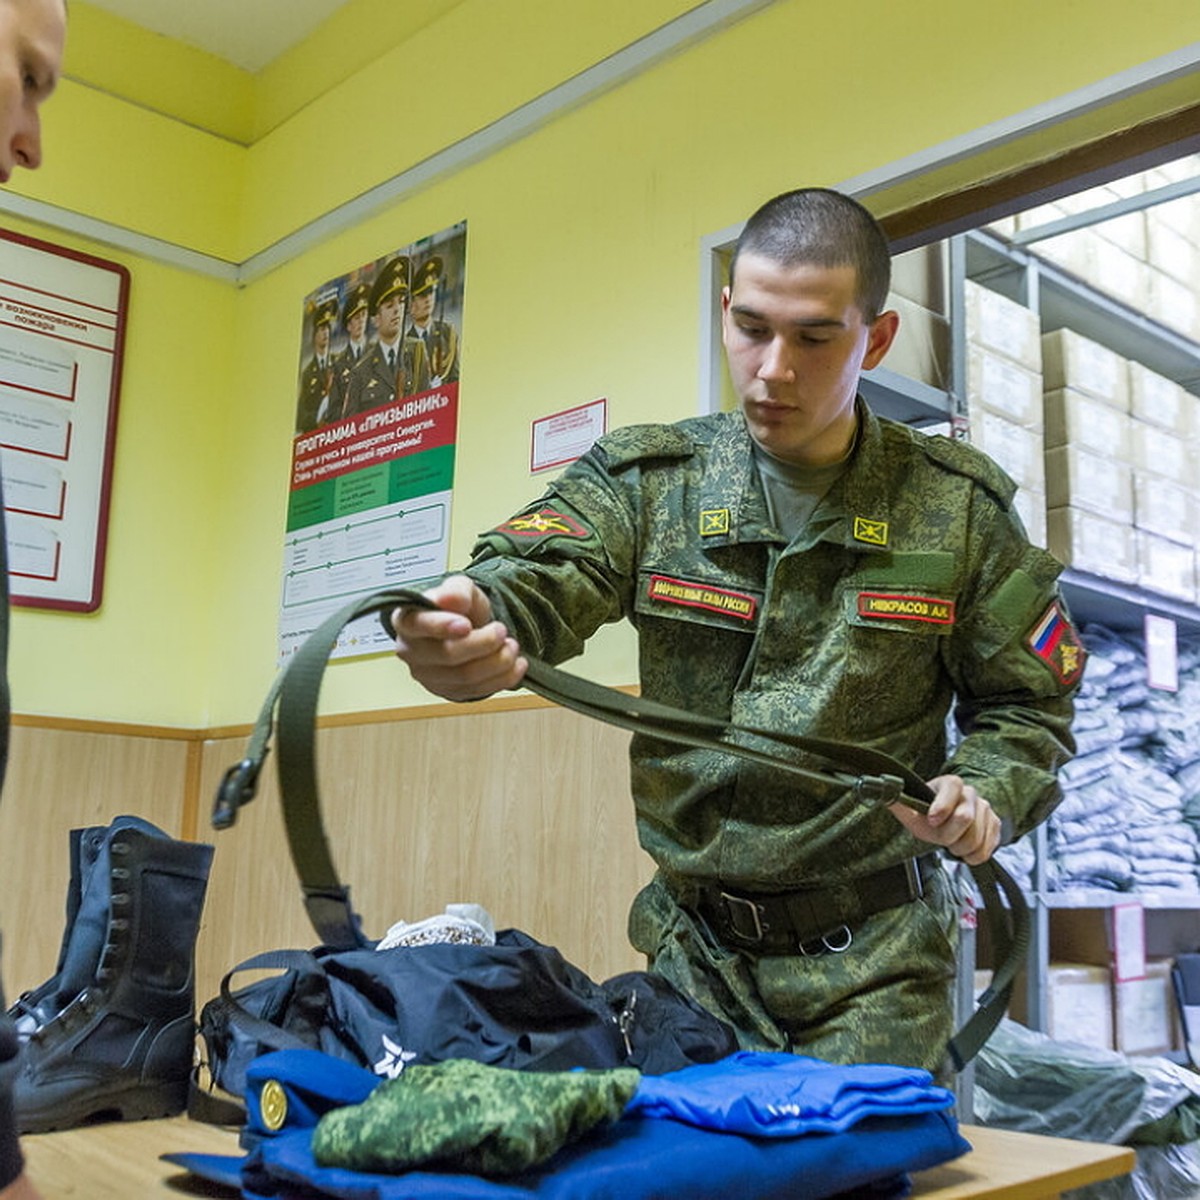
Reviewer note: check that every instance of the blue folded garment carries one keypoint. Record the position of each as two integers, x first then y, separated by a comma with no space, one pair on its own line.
785,1095
636,1158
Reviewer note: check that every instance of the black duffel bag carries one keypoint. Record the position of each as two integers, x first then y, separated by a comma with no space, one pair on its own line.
516,1004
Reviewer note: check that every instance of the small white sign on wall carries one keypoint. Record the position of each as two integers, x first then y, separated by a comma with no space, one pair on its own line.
565,436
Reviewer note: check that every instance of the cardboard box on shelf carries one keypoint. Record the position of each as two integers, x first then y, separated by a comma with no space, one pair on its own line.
1071,360
982,981
1031,508
1181,215
1081,479
1172,303
1092,543
1118,273
1017,449
922,346
1079,1004
1158,451
1003,386
1172,252
1157,400
1072,251
1145,1015
1127,232
1166,567
1000,324
1177,170
1165,508
922,276
1073,418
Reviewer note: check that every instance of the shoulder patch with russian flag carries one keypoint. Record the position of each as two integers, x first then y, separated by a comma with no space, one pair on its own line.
1054,640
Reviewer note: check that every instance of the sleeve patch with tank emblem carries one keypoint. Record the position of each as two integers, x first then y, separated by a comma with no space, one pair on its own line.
544,523
1053,639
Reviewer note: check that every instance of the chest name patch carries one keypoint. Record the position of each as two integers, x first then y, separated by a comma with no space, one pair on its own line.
543,523
891,606
1054,640
700,595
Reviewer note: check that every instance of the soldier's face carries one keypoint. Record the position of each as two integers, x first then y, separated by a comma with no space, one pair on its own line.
796,342
357,323
32,36
422,307
388,317
321,338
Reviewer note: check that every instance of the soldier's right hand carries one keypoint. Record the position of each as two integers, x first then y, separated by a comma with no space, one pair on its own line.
458,651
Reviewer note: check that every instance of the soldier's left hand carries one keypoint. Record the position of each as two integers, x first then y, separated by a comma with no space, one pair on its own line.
959,819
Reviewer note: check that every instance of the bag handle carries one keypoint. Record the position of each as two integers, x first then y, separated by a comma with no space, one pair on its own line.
875,778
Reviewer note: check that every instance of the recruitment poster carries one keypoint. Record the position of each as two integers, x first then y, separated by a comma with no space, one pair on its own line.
373,449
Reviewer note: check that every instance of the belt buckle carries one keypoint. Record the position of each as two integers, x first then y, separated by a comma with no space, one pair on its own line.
735,904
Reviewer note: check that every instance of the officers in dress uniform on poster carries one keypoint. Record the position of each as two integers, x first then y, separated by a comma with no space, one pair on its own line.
354,321
393,366
316,380
439,338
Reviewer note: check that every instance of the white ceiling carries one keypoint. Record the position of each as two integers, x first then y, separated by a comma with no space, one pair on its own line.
247,33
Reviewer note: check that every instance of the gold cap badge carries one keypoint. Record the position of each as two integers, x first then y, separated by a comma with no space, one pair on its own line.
273,1103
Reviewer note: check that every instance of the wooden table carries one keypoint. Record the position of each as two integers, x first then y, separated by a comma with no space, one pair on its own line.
1021,1166
120,1162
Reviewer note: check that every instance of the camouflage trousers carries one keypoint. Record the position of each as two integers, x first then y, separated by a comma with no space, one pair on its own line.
887,998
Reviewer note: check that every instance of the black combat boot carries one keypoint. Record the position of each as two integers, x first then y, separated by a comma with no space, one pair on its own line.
35,1008
116,1032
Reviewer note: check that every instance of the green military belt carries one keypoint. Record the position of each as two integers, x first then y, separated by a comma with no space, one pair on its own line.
808,921
873,778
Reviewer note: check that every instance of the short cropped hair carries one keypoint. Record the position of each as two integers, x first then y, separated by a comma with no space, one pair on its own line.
825,229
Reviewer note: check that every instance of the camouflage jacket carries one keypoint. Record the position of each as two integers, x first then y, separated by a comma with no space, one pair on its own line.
912,590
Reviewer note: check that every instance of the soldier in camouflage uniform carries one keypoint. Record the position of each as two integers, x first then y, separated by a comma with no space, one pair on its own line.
800,565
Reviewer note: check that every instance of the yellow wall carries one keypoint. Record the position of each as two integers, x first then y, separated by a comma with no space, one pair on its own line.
582,274
144,656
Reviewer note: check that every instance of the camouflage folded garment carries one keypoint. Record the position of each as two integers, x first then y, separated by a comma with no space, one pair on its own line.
468,1117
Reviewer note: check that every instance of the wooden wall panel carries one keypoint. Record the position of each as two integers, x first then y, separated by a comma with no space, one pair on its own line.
59,780
525,812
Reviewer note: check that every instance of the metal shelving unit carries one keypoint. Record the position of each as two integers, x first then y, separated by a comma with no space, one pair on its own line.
903,399
1062,300
1121,605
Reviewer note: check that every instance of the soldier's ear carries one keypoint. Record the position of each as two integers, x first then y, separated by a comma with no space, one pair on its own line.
880,338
